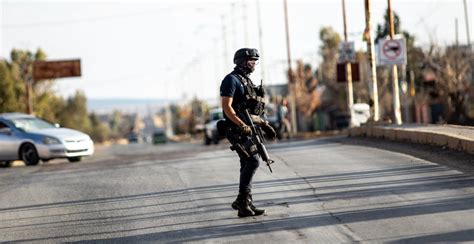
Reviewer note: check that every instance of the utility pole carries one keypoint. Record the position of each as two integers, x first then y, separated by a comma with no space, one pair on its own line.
396,93
234,27
217,72
371,52
226,47
456,27
245,23
260,41
467,24
226,54
27,77
350,92
290,76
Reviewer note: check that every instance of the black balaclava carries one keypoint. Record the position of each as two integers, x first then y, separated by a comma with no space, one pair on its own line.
243,67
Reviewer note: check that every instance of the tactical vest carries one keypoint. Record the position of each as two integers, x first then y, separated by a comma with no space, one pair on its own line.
253,100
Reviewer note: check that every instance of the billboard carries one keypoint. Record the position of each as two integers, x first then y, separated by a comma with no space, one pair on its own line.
56,69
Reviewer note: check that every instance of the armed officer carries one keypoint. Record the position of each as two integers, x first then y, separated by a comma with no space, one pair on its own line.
239,94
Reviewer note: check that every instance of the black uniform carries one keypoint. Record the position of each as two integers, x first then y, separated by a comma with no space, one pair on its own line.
233,87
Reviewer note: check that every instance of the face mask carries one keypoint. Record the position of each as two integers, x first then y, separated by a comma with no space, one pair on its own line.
251,65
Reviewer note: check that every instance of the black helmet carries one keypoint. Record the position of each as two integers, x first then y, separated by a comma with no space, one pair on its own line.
245,53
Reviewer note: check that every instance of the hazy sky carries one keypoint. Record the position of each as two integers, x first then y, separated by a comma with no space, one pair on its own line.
172,49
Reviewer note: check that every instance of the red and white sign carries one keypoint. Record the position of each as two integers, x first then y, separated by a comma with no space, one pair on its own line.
392,52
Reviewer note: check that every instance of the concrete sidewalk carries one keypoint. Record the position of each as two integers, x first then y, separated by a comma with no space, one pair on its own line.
460,138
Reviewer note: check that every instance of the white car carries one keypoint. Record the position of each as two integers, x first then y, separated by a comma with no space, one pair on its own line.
28,138
210,128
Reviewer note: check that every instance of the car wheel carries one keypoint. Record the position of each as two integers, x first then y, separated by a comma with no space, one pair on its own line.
215,138
74,159
29,155
207,140
5,164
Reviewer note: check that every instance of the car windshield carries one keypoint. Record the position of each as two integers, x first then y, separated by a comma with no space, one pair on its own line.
216,116
31,124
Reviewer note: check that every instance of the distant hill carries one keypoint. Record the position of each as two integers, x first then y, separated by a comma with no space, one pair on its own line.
131,106
106,105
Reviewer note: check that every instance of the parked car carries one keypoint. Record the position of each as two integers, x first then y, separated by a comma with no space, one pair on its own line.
210,128
271,115
133,137
28,138
159,136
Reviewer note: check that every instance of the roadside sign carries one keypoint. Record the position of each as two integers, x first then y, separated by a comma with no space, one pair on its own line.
56,69
342,74
347,52
392,52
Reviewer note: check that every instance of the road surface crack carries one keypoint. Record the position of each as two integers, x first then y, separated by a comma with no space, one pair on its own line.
322,204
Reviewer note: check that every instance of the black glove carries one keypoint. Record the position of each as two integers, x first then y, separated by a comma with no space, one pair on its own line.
268,129
246,130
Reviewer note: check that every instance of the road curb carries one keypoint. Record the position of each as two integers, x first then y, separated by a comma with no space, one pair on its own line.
419,134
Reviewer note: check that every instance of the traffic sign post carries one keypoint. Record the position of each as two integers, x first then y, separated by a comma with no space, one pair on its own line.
347,52
371,54
393,51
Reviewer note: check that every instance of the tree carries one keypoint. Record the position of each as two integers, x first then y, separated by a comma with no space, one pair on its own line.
74,114
335,95
452,71
383,30
99,131
175,111
308,96
114,124
329,50
8,93
46,103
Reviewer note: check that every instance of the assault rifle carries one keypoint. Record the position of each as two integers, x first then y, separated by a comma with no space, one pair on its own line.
257,139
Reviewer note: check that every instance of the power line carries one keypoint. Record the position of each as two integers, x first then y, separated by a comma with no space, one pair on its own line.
81,20
96,19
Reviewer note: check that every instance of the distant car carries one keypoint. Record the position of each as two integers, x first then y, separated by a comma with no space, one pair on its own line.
28,138
271,115
133,137
159,136
210,128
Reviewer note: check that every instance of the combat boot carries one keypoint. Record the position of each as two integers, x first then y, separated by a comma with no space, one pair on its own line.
242,204
255,209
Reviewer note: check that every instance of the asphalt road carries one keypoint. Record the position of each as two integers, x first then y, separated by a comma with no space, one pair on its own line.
322,191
